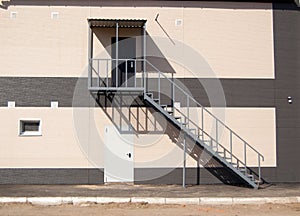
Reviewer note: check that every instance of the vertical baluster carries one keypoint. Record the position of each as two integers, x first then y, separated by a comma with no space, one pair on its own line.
159,88
134,72
231,145
245,154
202,122
173,99
259,170
126,72
107,72
98,73
217,134
188,111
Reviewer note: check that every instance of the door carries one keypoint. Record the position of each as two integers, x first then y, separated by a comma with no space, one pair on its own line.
124,74
118,156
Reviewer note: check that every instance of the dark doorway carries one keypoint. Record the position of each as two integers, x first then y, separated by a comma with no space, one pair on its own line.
124,73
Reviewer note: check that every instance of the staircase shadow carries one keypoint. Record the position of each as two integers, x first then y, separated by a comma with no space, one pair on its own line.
130,114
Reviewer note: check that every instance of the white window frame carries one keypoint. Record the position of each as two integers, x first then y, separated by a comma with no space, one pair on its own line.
30,133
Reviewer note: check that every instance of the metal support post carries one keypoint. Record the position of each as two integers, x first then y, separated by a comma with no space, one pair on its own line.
144,60
184,162
90,56
117,54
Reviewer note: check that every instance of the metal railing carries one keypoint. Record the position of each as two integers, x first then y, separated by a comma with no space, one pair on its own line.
115,74
166,92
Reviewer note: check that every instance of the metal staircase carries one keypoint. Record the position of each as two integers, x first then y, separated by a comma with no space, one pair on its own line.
160,91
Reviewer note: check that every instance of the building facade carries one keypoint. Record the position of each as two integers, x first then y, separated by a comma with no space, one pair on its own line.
61,125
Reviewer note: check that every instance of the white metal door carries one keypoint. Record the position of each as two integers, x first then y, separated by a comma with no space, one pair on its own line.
118,156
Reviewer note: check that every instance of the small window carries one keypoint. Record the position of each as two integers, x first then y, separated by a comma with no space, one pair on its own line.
30,128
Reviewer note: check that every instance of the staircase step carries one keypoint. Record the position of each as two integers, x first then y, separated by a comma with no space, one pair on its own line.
192,129
149,94
164,106
206,140
177,117
215,148
156,99
251,176
243,169
258,181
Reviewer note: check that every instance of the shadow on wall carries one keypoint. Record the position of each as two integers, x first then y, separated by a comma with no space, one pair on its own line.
157,58
137,3
130,114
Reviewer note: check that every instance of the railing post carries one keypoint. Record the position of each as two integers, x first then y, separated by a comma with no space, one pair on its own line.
188,112
90,73
144,60
202,123
173,98
98,73
259,170
126,71
134,72
159,88
245,154
107,73
217,134
231,145
90,56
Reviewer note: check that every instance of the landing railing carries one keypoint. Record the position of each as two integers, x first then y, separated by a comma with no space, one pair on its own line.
113,74
200,121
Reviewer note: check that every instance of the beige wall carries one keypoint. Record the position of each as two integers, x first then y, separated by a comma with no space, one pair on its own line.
257,126
236,43
57,147
74,138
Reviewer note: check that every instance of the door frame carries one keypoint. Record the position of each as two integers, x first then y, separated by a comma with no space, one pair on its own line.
119,73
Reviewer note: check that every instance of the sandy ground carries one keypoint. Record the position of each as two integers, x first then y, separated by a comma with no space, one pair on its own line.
144,209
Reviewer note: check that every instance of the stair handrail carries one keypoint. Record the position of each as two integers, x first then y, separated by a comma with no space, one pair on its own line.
216,118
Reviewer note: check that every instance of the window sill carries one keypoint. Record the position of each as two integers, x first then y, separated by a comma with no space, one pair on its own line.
28,134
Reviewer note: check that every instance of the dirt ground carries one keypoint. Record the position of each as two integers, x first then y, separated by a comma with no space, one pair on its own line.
138,209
